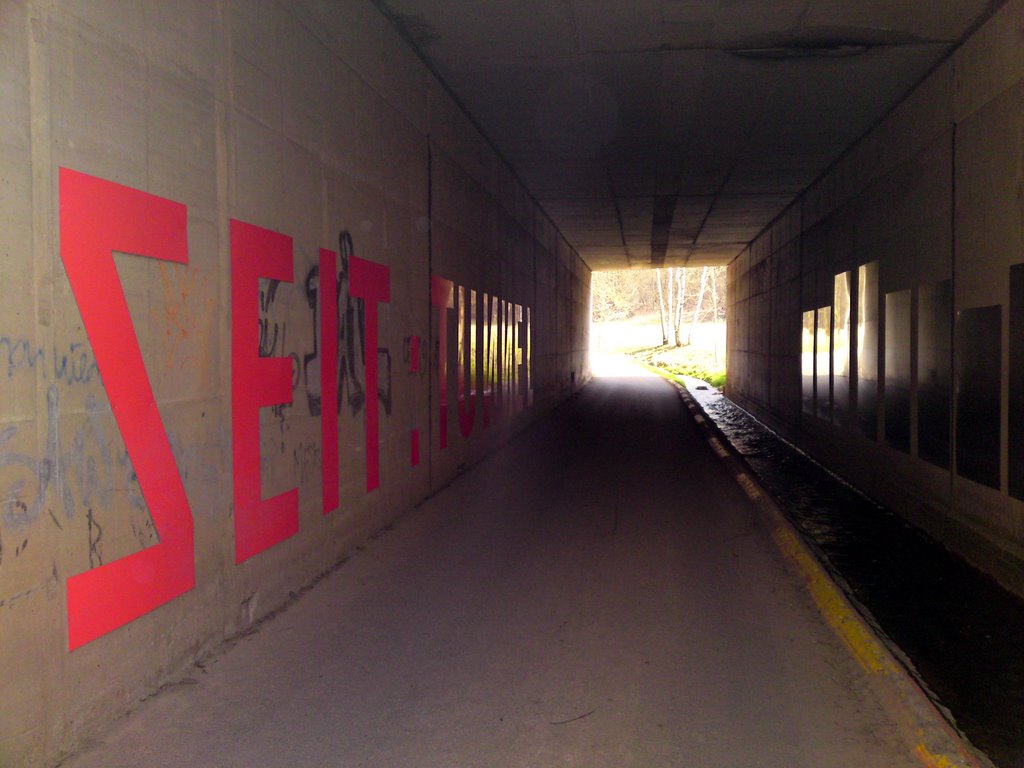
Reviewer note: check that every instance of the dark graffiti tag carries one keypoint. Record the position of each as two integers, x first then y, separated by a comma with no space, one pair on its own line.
351,344
273,341
311,360
273,337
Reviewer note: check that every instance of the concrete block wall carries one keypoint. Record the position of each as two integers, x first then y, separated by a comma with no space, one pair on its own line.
259,181
931,202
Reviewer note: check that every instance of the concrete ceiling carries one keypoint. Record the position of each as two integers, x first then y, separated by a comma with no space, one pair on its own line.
670,132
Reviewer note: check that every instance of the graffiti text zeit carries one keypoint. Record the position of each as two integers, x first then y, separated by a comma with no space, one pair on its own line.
99,217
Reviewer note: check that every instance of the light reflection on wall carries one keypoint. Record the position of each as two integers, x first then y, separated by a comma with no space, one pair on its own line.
884,364
867,349
934,371
890,374
841,348
898,357
467,367
823,357
978,376
807,362
1015,455
492,322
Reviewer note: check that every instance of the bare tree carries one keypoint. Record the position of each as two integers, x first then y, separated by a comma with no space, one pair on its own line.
661,310
671,304
714,294
683,303
677,321
620,294
700,300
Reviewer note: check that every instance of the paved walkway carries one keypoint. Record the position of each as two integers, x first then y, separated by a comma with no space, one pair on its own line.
598,593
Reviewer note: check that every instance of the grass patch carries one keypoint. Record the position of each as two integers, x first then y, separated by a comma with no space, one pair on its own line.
682,361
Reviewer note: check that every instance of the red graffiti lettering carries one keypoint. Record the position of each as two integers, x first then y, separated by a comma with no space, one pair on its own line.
98,217
329,378
441,298
414,354
490,373
256,382
371,282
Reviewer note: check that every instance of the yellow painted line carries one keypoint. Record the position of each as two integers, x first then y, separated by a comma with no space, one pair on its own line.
836,611
851,628
716,444
935,761
749,486
830,601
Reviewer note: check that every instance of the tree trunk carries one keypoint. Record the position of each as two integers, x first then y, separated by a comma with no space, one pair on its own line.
677,318
700,300
714,295
661,310
671,303
714,305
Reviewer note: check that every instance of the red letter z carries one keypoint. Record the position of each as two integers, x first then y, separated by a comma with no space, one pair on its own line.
98,217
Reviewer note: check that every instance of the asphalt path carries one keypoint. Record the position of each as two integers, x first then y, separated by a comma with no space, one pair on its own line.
598,592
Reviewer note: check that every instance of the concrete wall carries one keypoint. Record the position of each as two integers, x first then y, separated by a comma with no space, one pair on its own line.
918,396
161,477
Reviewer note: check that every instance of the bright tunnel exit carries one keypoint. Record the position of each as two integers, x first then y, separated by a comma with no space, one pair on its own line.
670,320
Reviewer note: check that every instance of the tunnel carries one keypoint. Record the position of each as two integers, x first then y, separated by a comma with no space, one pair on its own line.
303,457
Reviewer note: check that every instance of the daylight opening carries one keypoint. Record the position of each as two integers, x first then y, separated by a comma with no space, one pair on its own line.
670,321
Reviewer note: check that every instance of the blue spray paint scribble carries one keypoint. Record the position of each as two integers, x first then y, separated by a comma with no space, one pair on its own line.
84,472
76,365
